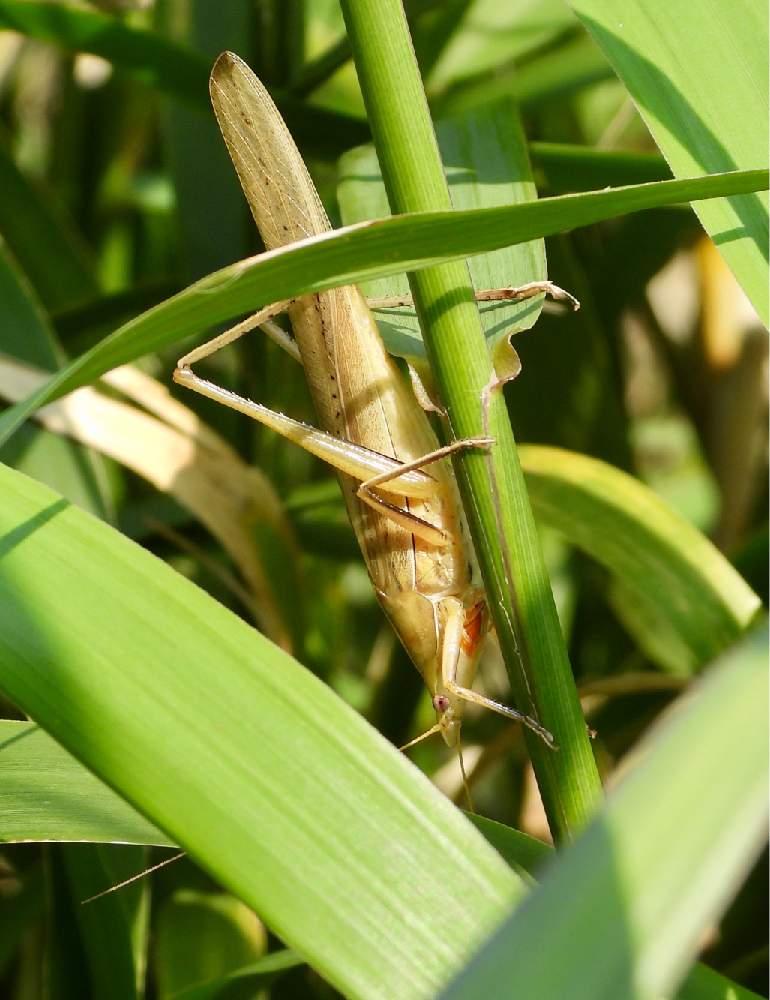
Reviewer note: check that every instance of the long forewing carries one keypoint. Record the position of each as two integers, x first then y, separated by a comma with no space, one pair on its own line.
274,178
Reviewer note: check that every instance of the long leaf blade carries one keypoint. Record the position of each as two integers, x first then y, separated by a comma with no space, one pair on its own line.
243,757
649,874
358,253
706,114
699,603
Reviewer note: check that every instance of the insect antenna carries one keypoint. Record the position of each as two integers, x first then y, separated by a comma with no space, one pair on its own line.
419,739
134,878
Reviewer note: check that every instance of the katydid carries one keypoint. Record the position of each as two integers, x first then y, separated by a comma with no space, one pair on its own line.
408,521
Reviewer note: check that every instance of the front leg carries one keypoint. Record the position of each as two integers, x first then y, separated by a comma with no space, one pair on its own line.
449,663
468,694
511,293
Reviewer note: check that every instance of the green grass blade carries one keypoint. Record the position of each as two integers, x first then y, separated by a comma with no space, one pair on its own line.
46,795
554,76
703,983
523,853
49,796
26,333
698,75
251,978
203,937
529,856
694,601
488,35
568,167
360,253
280,790
652,871
113,929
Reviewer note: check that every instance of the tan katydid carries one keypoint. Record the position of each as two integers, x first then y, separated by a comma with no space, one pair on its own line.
408,521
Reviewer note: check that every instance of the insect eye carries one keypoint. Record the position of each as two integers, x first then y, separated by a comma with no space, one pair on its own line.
441,703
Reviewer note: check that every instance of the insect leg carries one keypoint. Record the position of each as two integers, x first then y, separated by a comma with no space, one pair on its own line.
528,291
516,293
262,318
354,460
468,694
419,463
407,520
449,661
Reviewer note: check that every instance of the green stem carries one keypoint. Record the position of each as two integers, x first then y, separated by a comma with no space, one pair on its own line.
497,505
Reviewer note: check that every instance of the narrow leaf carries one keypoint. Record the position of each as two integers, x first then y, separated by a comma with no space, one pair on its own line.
358,253
706,113
651,872
696,603
280,790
